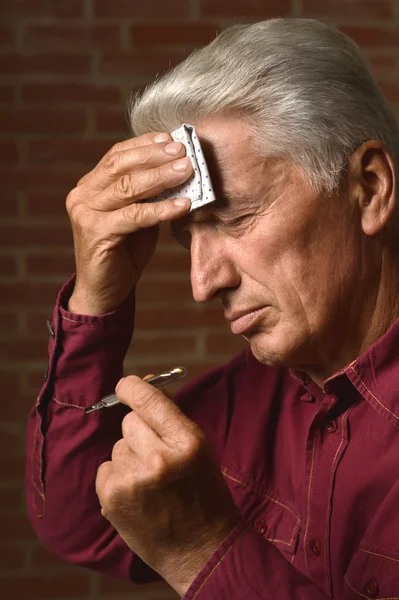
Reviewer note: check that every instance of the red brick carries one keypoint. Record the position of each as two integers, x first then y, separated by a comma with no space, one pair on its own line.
35,379
44,587
17,412
177,262
32,293
141,64
247,9
9,152
70,93
9,386
373,36
199,368
7,93
41,557
390,91
182,34
112,121
159,344
14,120
141,10
13,468
8,322
40,177
12,556
177,318
12,442
71,37
35,322
45,204
15,527
56,264
43,8
385,61
377,9
11,501
54,151
7,35
8,203
44,64
224,343
23,349
8,267
171,291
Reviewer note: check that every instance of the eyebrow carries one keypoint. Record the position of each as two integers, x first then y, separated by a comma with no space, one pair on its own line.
212,207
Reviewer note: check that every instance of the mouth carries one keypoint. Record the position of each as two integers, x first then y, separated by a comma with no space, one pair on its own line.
242,321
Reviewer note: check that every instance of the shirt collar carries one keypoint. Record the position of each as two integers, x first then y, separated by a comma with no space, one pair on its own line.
375,375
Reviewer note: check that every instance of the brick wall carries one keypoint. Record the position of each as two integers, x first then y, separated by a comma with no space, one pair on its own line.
67,68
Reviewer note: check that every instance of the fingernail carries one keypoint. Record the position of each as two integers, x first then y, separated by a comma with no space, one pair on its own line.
181,164
180,201
161,137
118,384
173,148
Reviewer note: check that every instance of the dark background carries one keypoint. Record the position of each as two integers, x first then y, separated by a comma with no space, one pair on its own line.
67,68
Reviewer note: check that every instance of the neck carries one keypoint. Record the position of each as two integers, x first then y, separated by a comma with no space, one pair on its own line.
375,311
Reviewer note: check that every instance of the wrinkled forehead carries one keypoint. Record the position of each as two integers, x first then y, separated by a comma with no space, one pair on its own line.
229,153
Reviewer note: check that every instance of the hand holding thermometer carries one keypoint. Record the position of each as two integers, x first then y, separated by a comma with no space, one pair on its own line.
157,380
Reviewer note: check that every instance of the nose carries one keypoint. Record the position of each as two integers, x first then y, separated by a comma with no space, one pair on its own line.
212,265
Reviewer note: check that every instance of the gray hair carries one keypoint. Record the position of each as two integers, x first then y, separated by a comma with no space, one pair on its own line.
303,87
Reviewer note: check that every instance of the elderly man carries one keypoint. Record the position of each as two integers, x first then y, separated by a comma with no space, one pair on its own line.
276,475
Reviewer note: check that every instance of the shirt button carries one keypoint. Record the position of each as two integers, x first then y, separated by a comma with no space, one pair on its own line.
371,588
331,426
316,547
50,328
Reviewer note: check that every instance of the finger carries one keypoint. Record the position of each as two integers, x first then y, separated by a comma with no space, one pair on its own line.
104,472
122,457
130,144
149,376
143,185
132,161
139,438
137,217
153,407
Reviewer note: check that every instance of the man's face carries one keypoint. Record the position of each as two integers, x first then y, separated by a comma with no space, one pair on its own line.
283,261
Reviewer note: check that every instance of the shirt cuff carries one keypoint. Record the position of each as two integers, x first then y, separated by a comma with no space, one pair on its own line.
210,580
76,339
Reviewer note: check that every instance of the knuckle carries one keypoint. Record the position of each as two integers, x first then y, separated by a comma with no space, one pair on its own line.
192,446
118,147
155,176
73,205
111,164
111,498
125,187
118,450
129,424
158,466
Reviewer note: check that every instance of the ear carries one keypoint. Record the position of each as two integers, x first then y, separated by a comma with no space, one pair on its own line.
372,179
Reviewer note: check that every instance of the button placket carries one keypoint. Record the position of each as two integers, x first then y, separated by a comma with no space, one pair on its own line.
50,329
371,588
331,426
316,547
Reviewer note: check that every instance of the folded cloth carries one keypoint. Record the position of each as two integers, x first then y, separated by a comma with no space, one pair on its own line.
199,187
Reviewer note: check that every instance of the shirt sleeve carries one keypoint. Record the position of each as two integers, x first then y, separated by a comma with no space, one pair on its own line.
66,445
248,566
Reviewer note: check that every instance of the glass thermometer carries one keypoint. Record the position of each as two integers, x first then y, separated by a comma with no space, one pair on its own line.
157,380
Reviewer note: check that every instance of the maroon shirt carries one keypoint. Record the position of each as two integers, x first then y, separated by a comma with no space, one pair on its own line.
315,473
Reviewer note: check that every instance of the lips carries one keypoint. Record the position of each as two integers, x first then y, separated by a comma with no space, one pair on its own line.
243,320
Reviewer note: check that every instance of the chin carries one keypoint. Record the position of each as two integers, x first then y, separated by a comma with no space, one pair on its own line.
273,351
